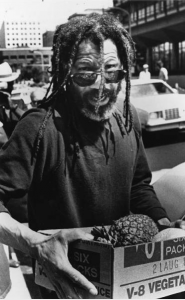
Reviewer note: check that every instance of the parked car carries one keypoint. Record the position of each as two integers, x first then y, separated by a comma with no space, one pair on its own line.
160,106
21,94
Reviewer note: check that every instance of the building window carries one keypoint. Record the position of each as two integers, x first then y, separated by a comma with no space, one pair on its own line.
141,13
133,17
163,52
22,56
150,10
160,7
170,4
182,55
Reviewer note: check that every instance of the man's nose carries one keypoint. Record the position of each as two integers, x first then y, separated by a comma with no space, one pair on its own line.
97,83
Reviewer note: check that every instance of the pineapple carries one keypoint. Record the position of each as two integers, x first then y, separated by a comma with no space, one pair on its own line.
128,230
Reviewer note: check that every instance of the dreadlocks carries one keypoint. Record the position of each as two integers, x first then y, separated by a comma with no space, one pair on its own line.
67,38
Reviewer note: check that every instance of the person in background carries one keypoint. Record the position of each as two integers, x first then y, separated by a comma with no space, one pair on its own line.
7,78
80,155
9,112
36,96
163,72
145,74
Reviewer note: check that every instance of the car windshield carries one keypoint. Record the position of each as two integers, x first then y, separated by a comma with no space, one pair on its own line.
149,89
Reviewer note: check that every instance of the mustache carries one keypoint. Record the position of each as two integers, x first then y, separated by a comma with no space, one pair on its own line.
94,93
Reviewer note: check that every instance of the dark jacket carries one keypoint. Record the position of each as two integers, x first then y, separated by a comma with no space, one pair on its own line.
106,180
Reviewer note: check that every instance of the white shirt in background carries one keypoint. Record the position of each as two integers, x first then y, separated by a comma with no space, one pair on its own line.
144,75
163,74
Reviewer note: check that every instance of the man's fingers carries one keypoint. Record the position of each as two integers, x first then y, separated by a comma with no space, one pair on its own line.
68,280
180,224
80,280
77,234
65,290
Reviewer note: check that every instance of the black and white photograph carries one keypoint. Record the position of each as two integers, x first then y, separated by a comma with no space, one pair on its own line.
92,149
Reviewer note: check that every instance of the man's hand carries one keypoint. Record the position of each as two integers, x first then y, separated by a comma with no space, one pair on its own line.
53,256
175,224
50,251
178,224
170,230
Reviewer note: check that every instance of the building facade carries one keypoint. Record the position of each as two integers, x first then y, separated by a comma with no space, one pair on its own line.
48,38
26,60
21,33
158,29
21,45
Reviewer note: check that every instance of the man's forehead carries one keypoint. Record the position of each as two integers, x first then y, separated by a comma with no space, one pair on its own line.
88,48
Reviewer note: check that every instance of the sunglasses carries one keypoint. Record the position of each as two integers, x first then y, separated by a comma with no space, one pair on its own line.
89,78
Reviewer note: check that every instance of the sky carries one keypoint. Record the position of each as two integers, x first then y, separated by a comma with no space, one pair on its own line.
49,12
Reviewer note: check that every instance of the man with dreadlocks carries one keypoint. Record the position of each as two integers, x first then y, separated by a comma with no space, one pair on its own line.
79,156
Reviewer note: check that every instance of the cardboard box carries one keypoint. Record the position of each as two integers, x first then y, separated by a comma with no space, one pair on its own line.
150,270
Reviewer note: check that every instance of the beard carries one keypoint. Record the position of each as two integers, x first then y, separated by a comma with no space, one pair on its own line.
97,112
101,113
